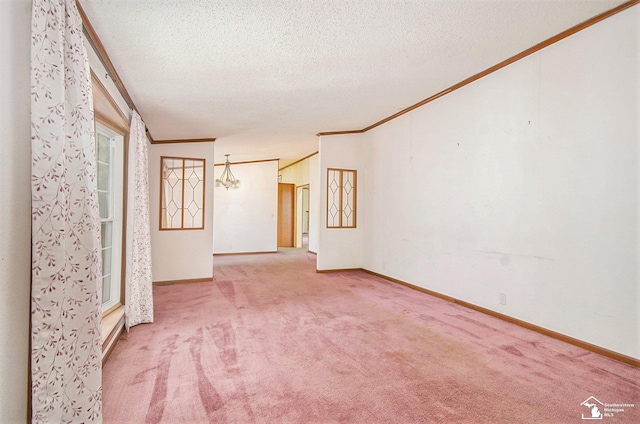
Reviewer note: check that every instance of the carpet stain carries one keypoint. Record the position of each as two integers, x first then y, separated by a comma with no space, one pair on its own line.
224,338
512,350
209,396
604,372
542,375
159,395
399,357
475,323
141,377
227,290
446,324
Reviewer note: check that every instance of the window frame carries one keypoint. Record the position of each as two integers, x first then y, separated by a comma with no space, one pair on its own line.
118,189
182,208
340,205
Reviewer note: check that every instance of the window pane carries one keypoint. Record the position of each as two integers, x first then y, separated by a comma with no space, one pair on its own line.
106,288
194,183
106,261
105,232
348,199
104,148
173,191
103,176
104,203
333,198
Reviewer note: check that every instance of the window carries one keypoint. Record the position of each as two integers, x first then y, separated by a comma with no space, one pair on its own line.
110,151
182,193
341,198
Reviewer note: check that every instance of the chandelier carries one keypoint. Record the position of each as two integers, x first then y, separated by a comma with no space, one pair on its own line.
227,180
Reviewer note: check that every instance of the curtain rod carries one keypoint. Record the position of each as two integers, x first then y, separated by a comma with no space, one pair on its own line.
98,48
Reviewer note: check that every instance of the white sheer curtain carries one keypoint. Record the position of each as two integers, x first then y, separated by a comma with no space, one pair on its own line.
66,369
139,290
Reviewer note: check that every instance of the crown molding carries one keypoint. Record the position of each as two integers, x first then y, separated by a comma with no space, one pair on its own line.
504,63
340,132
298,161
184,140
245,162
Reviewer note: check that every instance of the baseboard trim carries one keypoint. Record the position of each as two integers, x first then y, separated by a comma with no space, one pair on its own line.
245,253
550,333
172,282
327,271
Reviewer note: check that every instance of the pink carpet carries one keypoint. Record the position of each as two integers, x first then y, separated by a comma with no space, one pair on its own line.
272,341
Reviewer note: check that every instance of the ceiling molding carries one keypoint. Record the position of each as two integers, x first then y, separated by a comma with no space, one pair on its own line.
298,161
340,132
184,140
245,162
504,63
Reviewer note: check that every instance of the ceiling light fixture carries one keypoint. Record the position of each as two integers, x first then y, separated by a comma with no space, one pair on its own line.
227,180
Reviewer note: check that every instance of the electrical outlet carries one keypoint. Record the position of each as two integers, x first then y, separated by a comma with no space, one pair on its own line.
503,299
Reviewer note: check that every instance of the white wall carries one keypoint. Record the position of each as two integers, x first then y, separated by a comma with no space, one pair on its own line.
340,248
15,192
524,183
314,202
297,173
181,254
246,219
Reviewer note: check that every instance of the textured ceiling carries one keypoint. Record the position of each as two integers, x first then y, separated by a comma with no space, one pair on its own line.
264,76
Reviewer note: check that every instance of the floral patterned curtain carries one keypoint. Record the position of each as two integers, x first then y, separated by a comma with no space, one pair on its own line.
139,289
66,369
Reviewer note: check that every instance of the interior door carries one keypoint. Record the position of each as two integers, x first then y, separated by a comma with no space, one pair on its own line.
286,207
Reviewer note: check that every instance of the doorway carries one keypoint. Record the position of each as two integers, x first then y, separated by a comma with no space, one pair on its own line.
302,216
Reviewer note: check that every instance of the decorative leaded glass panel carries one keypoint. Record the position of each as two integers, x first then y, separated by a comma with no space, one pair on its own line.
341,198
182,193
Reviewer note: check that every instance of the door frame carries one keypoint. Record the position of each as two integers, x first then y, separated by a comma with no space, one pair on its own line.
300,213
